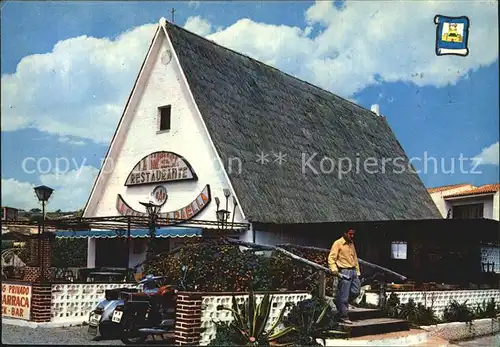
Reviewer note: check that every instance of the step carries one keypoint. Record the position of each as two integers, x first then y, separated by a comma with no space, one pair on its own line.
413,337
375,326
359,313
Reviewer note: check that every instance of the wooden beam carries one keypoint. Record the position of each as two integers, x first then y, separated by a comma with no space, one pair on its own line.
322,285
361,261
284,251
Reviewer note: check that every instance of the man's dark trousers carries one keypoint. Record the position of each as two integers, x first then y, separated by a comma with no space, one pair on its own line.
348,289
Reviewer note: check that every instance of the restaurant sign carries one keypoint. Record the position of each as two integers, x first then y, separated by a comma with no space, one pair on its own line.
160,167
173,217
16,300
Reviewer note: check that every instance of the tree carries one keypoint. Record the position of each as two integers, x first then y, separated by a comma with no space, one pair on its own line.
79,213
69,253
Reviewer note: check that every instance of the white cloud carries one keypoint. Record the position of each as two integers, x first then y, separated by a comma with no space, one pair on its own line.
18,194
71,190
81,87
369,41
198,26
489,155
78,89
65,139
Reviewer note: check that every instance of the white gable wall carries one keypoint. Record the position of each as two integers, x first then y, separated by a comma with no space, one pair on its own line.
160,84
187,138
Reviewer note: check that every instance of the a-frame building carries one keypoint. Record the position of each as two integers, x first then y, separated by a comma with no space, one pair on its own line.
202,119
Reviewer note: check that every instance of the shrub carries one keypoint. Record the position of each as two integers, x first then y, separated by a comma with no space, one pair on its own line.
69,253
212,266
456,312
311,319
316,256
65,253
24,254
424,316
217,265
488,309
392,305
224,335
416,314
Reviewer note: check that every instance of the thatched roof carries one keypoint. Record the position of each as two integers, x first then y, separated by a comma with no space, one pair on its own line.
249,107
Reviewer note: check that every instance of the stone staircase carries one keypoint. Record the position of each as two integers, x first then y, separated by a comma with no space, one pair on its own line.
367,321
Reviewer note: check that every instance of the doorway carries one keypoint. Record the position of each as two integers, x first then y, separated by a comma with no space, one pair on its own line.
111,253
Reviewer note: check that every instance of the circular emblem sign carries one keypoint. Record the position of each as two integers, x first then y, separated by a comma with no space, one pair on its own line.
159,195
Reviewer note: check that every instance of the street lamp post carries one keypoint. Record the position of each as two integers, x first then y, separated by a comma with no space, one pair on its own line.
152,211
223,214
43,194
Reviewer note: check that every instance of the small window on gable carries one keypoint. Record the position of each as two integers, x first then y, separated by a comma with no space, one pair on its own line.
164,118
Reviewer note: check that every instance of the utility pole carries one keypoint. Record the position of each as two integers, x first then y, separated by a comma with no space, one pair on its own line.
172,11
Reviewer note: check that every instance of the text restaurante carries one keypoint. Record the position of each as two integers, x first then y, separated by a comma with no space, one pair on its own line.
161,175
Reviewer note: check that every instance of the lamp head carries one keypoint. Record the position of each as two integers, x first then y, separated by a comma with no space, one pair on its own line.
226,192
222,215
43,193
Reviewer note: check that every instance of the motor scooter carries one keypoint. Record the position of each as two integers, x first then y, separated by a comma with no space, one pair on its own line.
149,312
100,323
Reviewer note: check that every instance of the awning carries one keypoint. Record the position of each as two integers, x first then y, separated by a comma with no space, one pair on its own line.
134,233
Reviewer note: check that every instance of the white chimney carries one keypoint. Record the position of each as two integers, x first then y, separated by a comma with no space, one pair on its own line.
376,109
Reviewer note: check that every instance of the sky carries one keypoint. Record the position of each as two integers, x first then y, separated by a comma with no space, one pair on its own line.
68,68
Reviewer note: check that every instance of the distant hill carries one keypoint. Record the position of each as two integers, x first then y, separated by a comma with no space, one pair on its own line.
36,213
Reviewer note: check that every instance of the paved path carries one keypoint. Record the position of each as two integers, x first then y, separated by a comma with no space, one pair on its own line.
486,341
13,334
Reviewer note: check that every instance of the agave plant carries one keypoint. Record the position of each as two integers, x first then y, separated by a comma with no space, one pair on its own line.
250,320
408,311
311,319
488,309
456,312
392,305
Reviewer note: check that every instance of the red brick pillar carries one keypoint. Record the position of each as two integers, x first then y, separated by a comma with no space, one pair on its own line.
41,302
32,245
47,243
33,272
188,318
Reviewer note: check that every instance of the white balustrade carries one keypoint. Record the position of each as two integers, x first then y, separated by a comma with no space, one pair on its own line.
72,302
438,300
211,314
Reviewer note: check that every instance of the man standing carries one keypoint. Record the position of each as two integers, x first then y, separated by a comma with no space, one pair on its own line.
343,261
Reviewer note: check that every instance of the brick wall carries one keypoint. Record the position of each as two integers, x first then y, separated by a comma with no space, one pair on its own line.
188,318
32,272
32,245
41,302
